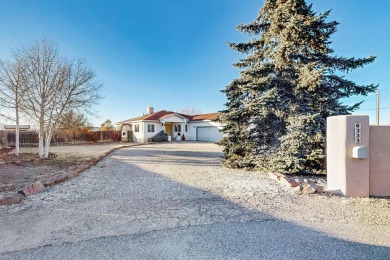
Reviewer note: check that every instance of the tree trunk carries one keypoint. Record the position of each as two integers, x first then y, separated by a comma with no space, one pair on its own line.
47,144
40,144
41,131
41,137
17,132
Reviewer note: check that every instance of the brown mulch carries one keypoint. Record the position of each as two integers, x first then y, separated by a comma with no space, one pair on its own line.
18,171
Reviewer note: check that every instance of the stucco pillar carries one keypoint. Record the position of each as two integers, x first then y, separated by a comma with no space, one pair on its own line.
347,175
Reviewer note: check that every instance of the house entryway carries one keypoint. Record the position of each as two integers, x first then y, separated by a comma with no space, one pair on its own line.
168,129
126,133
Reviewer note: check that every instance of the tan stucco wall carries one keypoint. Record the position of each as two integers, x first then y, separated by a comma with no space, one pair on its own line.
379,154
346,175
335,146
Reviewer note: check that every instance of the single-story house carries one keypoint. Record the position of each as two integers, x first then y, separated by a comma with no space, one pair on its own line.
194,128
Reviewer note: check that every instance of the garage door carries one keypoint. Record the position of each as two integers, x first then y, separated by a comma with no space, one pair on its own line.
208,133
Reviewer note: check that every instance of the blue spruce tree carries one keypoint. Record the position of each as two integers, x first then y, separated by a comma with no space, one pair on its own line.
275,114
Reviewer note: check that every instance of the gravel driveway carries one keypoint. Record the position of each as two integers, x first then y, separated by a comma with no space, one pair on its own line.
175,201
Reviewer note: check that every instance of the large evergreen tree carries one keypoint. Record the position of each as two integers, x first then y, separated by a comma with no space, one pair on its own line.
275,115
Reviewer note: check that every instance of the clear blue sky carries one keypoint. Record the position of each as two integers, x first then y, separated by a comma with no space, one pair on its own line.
172,54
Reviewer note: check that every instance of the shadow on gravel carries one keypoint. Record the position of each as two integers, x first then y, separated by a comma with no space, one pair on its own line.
123,211
179,157
180,152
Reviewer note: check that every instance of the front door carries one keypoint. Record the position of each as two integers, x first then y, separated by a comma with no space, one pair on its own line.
168,129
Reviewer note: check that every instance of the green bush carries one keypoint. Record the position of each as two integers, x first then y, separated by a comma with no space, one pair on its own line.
160,137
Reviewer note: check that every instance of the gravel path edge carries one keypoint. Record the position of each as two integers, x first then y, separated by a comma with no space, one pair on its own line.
36,187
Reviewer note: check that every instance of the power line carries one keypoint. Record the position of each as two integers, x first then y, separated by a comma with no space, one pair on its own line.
374,108
371,98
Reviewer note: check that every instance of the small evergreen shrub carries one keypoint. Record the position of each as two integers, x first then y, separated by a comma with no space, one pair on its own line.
160,137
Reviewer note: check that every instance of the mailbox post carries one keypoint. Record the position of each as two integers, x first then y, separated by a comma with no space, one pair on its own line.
347,139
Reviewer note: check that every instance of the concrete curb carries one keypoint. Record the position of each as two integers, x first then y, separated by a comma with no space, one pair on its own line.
33,188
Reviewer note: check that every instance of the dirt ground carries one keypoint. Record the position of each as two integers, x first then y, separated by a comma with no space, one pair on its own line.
18,171
175,186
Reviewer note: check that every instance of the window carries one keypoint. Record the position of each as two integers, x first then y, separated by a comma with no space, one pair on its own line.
136,128
177,128
150,128
186,128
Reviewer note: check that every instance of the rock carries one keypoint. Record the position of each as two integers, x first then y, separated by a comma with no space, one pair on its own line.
12,198
288,182
83,167
72,174
283,179
298,189
308,188
315,186
17,162
52,156
50,183
94,161
60,179
32,188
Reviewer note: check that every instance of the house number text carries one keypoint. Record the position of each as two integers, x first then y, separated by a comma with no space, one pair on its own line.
358,133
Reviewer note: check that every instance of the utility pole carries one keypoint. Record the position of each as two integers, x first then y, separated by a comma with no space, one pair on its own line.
377,107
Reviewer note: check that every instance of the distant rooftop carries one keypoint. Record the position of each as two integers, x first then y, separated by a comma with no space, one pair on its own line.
13,127
164,113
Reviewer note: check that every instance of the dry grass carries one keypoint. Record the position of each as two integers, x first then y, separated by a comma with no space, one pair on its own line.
18,171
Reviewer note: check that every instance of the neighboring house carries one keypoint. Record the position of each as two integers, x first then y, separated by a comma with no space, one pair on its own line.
195,128
13,127
94,128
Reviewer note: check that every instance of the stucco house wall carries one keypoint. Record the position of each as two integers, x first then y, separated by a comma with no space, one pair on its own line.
182,130
157,128
176,121
173,118
169,121
138,137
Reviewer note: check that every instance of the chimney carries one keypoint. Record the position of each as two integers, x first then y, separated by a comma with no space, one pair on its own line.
150,110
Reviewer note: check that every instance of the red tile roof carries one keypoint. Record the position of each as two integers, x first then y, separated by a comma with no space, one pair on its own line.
209,116
163,113
157,115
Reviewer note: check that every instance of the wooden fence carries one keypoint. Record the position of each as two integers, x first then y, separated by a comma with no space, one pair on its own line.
60,137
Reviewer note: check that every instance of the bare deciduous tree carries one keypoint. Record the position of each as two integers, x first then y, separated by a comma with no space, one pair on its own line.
190,111
54,86
12,92
73,121
72,124
106,125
